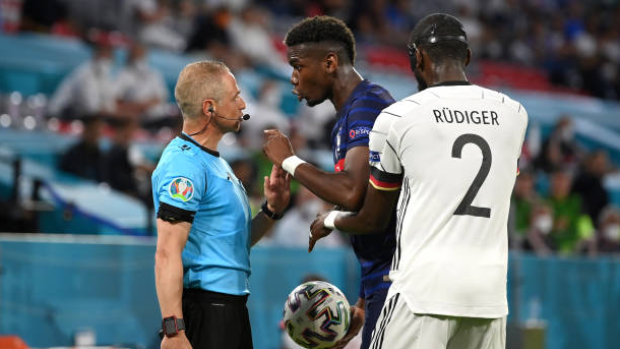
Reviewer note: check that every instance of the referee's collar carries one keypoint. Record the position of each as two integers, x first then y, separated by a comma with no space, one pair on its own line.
185,137
452,83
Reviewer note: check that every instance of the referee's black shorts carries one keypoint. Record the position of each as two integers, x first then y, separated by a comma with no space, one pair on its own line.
216,320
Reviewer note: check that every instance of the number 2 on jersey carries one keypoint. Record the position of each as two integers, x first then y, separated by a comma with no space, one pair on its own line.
465,207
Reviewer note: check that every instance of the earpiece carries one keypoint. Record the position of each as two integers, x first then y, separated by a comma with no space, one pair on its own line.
211,109
411,49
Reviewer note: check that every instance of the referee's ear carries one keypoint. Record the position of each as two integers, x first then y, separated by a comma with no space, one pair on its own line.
468,58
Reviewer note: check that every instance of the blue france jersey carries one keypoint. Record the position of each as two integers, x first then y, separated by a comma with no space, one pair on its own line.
196,180
355,121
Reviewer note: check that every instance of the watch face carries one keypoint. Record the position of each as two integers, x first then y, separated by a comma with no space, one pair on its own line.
170,327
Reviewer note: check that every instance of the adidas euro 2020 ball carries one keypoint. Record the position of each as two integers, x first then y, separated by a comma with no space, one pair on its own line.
316,315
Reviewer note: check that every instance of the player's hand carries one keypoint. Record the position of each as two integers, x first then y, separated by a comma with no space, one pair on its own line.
179,341
357,322
318,230
277,147
277,189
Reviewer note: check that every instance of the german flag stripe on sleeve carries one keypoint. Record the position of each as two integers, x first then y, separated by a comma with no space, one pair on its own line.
384,180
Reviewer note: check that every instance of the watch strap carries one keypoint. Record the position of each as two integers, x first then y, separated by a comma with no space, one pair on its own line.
269,213
170,326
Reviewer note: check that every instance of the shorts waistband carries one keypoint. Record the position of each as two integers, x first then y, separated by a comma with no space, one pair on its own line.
214,296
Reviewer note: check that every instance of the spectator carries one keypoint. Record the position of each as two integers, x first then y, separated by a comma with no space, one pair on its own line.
40,16
572,228
268,107
560,150
250,34
608,239
589,183
141,90
124,163
155,25
538,238
85,159
523,203
89,89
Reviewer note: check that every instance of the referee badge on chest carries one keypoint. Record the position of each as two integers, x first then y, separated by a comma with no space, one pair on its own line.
182,189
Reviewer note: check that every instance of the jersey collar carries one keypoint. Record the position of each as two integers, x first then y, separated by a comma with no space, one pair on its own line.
185,137
452,83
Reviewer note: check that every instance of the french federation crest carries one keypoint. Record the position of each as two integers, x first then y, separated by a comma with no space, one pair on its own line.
181,188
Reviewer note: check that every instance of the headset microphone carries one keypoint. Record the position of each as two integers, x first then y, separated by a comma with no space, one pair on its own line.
245,117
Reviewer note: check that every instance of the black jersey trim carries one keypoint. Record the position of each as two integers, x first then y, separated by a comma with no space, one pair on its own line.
174,214
185,137
452,83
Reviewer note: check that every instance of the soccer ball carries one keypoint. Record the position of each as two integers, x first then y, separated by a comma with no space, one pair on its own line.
316,315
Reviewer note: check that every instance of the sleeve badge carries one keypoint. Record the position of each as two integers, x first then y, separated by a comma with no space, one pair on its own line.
182,189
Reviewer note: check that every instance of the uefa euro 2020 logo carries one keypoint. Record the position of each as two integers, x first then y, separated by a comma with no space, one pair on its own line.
181,188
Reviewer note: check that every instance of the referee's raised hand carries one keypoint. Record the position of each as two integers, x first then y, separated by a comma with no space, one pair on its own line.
277,189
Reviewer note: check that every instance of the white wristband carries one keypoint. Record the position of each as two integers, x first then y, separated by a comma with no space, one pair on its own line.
290,164
330,220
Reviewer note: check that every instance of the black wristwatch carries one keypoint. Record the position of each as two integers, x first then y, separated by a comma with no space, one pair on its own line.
171,326
268,213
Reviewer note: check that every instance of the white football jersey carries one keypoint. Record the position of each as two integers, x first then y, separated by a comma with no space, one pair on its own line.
452,150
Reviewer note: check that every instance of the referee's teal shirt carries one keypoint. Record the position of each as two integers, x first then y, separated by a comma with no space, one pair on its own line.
193,181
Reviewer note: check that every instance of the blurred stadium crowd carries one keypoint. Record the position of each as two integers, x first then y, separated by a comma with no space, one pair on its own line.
559,205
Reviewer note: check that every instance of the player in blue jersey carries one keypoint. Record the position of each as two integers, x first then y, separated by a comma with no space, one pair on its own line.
321,51
204,224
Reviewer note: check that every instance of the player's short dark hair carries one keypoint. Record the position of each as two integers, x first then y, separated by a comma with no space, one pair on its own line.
323,29
440,25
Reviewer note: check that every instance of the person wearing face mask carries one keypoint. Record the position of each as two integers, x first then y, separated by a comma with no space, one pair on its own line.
89,89
141,91
608,239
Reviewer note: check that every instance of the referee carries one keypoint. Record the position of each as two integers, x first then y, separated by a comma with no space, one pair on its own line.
204,222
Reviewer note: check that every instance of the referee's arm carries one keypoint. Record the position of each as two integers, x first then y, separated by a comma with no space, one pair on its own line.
171,239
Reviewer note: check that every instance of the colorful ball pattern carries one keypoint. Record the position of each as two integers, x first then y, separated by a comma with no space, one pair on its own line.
316,315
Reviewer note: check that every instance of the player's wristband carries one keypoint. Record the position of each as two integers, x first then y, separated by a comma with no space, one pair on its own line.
290,164
330,220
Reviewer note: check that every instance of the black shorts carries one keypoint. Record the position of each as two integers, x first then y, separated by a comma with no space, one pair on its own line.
216,320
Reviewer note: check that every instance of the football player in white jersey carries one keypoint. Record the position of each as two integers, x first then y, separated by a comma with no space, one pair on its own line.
452,150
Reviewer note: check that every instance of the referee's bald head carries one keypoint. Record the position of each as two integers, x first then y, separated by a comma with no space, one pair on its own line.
197,82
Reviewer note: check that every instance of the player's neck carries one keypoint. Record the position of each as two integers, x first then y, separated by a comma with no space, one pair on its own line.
347,81
442,73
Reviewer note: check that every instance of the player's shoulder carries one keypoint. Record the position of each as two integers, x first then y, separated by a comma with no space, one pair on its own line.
380,92
407,105
499,97
181,154
372,95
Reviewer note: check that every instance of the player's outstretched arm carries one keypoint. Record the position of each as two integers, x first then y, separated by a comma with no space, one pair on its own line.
171,239
372,217
345,188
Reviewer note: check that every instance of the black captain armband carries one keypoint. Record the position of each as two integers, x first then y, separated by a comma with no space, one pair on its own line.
173,214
